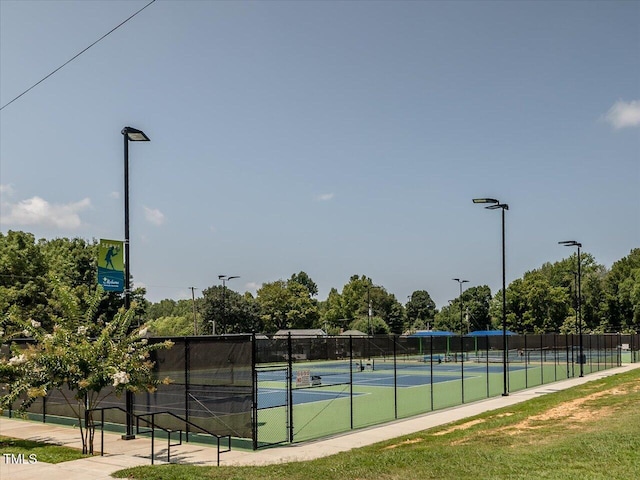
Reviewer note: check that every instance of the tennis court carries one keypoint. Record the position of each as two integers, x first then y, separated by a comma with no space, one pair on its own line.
409,376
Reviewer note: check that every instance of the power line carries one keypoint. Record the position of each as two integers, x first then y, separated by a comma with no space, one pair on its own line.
77,55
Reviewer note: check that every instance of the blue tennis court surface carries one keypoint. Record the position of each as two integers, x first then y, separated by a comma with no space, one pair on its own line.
331,382
276,397
272,397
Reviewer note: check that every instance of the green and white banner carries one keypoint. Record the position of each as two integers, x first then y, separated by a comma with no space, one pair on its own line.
111,265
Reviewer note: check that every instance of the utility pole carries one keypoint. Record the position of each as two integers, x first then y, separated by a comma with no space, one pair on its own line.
193,300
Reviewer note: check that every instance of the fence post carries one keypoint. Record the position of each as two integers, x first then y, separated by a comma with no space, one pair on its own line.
619,349
395,379
290,385
526,363
541,362
351,380
254,406
431,366
555,357
187,369
461,370
566,361
573,363
486,339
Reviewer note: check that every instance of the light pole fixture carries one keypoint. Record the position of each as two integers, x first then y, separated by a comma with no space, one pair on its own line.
224,279
573,243
129,135
494,205
461,304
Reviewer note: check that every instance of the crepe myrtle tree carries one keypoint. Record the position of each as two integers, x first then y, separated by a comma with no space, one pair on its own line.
83,359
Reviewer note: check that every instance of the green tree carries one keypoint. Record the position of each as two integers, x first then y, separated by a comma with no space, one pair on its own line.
564,273
447,318
421,311
331,311
30,269
533,305
355,296
622,290
476,304
24,286
170,317
477,301
89,359
286,305
378,326
360,293
305,280
165,308
229,311
171,326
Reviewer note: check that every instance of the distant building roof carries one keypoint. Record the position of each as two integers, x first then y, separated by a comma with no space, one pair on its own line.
308,333
488,333
432,333
353,333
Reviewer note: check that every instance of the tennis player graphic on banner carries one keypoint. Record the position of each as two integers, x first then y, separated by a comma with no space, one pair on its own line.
111,265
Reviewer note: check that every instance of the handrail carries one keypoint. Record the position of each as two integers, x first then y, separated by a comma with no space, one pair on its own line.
187,422
152,431
86,422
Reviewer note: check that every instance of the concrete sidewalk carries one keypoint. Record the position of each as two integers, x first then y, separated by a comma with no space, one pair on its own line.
122,453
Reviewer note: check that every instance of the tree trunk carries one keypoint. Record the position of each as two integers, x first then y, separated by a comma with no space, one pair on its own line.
89,427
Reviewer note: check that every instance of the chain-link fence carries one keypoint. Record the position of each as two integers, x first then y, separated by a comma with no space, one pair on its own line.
266,391
335,384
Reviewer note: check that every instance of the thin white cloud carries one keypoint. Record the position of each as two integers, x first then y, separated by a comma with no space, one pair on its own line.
252,286
37,211
154,216
6,190
115,195
624,114
325,197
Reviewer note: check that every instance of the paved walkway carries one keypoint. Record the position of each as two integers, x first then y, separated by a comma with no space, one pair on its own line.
122,454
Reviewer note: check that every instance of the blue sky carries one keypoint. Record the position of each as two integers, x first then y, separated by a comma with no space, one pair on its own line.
337,138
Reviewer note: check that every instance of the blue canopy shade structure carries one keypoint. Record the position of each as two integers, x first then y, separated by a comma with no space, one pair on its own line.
488,333
432,333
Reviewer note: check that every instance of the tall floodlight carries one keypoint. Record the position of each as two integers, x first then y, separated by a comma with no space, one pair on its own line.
461,304
370,309
224,279
494,205
130,135
573,243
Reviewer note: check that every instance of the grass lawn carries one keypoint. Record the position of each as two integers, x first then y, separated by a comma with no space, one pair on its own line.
44,452
591,431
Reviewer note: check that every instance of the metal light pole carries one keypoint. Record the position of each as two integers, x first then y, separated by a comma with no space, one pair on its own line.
370,308
224,279
461,305
573,243
130,135
494,205
193,303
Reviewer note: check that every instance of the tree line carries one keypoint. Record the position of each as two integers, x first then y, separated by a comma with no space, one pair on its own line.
38,276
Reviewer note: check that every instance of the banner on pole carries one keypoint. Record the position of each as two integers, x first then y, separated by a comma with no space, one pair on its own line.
111,265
